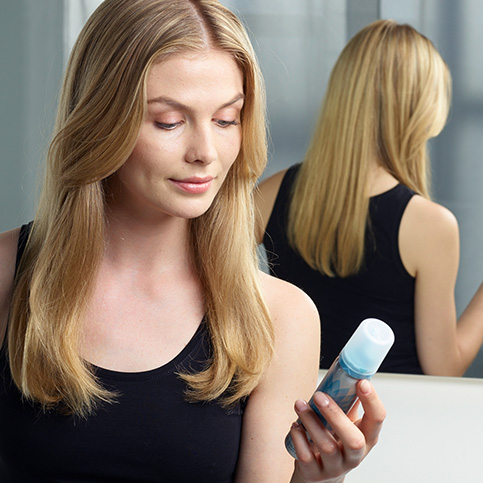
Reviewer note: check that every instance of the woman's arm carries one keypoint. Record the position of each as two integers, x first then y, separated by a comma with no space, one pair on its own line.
291,376
429,246
8,251
265,196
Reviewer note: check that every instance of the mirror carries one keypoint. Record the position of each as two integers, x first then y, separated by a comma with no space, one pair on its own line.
298,44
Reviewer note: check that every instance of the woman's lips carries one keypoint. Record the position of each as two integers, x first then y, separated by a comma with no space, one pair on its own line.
193,185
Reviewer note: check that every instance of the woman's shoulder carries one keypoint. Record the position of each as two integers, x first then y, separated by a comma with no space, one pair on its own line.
292,310
269,187
428,231
8,251
430,216
272,183
265,196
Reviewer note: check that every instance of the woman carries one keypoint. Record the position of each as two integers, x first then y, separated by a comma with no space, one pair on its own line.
354,226
142,343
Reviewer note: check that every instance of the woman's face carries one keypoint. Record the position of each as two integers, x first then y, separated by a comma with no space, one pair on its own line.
189,139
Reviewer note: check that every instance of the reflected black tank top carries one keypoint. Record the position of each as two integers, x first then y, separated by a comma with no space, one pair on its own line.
150,434
382,288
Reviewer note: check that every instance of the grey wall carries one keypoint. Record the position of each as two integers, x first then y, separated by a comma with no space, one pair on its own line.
31,49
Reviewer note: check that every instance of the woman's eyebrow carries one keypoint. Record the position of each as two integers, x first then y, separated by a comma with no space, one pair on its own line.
179,105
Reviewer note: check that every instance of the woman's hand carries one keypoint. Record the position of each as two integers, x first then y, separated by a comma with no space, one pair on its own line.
330,456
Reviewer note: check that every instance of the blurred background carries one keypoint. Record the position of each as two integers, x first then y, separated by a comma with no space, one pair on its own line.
297,44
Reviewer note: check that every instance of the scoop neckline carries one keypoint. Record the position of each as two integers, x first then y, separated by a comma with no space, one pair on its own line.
105,373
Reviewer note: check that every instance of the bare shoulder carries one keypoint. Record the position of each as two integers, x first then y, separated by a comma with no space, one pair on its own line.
422,210
8,252
272,183
427,228
429,219
292,310
265,195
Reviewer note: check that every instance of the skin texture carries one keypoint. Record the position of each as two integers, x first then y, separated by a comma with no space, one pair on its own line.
202,131
147,300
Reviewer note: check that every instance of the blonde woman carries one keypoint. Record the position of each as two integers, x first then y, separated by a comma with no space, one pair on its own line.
353,225
139,340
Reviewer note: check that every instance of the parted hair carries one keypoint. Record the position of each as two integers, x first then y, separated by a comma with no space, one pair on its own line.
101,107
388,94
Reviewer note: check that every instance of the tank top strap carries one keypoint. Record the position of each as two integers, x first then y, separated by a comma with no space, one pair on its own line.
389,207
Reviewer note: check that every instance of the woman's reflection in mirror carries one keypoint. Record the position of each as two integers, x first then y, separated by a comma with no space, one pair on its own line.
354,226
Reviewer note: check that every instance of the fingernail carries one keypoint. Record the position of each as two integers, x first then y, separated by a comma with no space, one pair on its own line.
365,387
321,399
301,406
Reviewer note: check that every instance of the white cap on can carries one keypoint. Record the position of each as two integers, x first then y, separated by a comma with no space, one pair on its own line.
366,349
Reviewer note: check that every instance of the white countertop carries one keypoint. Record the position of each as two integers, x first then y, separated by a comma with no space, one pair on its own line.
433,431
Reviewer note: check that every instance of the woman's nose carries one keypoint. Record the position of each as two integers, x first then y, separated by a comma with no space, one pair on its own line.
201,148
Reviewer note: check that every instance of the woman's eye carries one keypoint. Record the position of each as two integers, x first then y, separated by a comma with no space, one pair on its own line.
167,126
223,123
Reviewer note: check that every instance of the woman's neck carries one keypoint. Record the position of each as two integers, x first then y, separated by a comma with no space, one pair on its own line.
147,244
379,180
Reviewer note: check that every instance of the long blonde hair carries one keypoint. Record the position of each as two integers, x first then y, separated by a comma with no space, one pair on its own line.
101,108
388,93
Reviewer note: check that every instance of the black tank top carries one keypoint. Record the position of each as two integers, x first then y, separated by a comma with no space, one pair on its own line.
382,288
150,434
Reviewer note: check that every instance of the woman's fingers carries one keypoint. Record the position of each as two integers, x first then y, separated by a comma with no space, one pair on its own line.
329,454
319,458
323,440
351,441
374,413
308,462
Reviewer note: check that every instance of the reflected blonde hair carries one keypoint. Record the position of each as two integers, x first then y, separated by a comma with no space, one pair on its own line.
388,94
102,105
